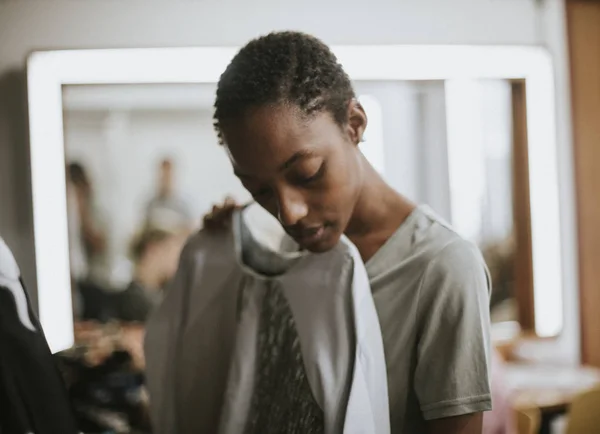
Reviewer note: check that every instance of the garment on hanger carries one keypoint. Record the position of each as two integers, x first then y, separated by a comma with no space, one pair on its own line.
250,340
33,398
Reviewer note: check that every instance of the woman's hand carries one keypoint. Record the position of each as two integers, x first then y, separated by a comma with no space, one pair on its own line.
220,216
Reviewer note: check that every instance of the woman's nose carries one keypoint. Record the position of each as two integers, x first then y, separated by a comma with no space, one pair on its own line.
291,208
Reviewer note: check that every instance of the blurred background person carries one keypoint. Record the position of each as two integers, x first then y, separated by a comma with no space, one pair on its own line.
167,209
106,367
155,253
88,245
91,229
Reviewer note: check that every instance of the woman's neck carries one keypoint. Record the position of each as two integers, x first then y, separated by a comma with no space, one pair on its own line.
378,213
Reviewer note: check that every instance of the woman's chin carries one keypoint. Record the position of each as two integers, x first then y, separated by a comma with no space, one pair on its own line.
326,243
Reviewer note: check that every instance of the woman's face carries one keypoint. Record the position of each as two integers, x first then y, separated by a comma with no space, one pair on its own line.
307,172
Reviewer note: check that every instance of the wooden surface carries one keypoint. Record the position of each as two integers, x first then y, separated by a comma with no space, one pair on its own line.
523,260
583,25
550,389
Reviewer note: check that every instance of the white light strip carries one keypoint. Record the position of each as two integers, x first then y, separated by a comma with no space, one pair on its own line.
50,204
49,71
544,200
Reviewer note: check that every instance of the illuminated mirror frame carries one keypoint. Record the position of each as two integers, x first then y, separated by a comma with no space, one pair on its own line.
48,72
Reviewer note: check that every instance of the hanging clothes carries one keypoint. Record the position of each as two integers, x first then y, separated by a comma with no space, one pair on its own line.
33,398
250,340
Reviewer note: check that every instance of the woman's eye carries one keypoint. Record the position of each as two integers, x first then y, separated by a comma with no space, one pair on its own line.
303,180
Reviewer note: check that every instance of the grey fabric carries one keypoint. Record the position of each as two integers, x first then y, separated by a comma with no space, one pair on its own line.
281,400
333,316
431,291
190,338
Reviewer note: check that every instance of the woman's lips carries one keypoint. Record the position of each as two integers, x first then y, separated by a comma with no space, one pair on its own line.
310,236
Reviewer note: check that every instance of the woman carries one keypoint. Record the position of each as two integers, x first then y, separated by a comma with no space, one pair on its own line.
290,122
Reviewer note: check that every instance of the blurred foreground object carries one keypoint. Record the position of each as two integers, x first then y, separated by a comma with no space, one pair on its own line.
33,398
104,372
584,415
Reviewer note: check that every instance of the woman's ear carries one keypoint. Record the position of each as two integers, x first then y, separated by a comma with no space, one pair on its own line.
357,121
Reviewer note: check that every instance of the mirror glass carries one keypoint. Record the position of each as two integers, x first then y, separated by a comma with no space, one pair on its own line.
143,166
146,163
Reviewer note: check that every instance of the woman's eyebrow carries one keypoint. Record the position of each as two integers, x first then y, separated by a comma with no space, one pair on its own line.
300,155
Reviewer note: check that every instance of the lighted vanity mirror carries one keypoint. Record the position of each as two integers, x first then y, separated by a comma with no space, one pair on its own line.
122,140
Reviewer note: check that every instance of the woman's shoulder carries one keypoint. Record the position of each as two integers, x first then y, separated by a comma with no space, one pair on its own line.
449,262
426,240
441,247
457,257
455,275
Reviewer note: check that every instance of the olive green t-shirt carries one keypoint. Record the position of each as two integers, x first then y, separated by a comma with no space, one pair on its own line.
431,291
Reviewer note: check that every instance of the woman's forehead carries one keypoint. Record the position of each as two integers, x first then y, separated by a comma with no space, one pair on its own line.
271,124
268,139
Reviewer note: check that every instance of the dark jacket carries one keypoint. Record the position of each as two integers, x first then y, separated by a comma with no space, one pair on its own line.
33,397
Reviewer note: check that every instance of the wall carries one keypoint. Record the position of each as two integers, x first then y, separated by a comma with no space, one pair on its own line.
27,25
36,24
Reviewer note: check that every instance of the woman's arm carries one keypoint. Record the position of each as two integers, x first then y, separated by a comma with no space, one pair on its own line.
453,372
465,424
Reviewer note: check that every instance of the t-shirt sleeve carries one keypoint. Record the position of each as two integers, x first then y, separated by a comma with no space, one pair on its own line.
453,370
